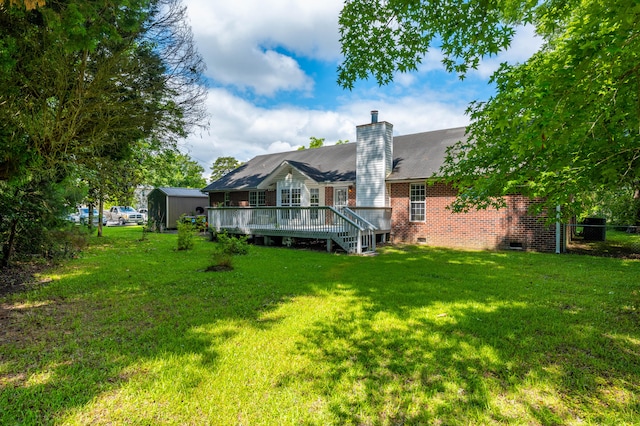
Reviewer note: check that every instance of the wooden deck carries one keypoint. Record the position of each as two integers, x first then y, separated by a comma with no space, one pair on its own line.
354,229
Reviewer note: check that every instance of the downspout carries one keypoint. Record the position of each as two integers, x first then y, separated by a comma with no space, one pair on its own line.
558,229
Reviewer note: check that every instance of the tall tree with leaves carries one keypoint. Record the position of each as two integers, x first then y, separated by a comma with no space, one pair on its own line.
87,78
562,124
222,166
82,81
171,168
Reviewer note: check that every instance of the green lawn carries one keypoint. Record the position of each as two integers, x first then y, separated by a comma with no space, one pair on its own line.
136,332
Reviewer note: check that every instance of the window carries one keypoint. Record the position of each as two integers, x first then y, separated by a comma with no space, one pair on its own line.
227,199
314,201
290,197
256,198
417,206
296,194
285,197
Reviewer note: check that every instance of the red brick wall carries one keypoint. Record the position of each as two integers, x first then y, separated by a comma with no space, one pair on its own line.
506,228
328,196
351,197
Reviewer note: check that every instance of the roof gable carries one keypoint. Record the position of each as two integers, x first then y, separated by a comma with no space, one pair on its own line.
335,163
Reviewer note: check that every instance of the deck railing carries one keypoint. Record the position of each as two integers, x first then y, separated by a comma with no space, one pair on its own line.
352,233
380,217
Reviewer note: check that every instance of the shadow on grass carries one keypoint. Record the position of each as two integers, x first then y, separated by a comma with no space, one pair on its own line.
85,334
432,335
456,345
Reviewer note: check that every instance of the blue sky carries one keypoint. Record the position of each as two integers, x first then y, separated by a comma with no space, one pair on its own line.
272,65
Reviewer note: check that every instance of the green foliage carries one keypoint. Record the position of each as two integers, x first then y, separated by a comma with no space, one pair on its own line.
226,248
199,222
313,143
65,242
222,166
171,168
83,83
619,205
561,125
31,211
186,236
381,38
233,244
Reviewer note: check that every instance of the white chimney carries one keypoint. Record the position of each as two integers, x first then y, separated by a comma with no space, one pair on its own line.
374,161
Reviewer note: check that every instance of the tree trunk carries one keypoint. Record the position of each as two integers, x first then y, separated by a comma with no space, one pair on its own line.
100,216
636,197
90,224
7,249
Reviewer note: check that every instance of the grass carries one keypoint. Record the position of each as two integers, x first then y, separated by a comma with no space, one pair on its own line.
137,332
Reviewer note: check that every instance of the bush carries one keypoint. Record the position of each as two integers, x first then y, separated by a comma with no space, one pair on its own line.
233,245
226,248
185,235
199,222
65,242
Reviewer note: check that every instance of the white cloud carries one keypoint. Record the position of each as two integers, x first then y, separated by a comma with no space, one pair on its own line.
242,130
249,48
244,43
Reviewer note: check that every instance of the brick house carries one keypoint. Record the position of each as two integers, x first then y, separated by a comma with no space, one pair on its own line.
388,182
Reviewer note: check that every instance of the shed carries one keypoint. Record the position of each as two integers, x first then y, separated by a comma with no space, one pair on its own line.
166,205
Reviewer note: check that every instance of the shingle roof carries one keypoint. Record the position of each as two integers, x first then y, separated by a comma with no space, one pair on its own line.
416,156
420,155
182,192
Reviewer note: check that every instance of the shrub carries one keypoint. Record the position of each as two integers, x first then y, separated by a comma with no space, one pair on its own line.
185,235
227,247
232,244
65,242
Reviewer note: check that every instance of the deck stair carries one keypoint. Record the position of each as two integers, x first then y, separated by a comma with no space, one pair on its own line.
363,242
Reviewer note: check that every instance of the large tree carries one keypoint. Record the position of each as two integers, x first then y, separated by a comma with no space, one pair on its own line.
85,78
561,125
82,82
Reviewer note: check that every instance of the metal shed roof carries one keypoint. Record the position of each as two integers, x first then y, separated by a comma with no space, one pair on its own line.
182,192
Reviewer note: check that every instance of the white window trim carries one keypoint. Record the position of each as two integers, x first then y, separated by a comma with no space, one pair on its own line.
335,190
412,203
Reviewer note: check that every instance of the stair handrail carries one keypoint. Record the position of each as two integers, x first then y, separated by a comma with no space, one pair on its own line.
369,225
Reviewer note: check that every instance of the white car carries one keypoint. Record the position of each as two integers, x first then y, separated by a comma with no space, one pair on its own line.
123,215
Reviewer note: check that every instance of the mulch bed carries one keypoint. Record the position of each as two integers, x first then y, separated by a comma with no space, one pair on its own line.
604,250
20,276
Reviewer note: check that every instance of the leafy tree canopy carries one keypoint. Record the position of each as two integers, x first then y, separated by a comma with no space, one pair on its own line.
27,4
171,168
222,166
561,125
313,143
